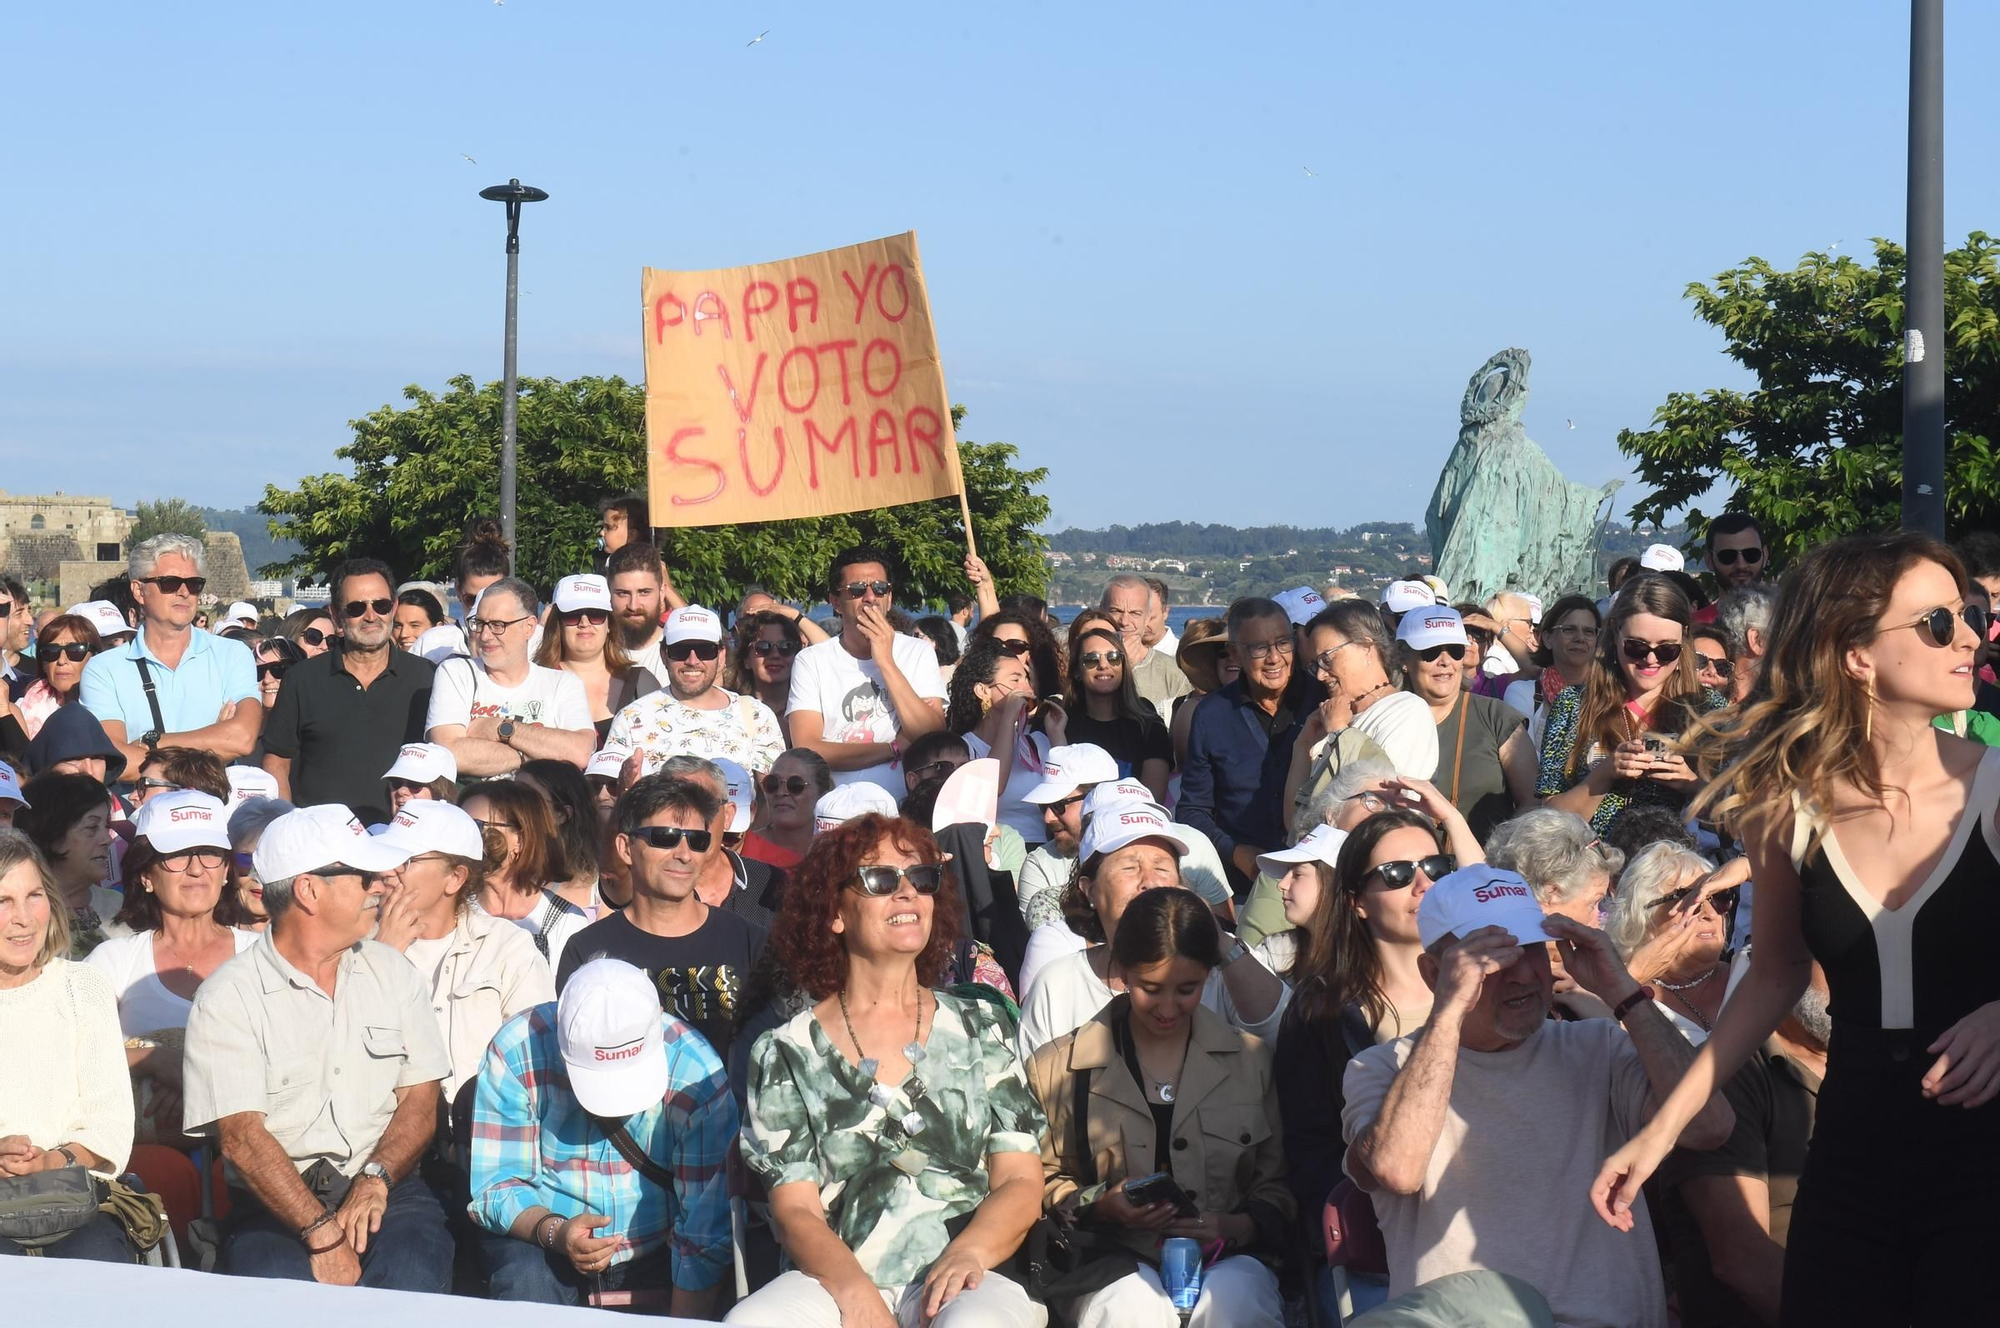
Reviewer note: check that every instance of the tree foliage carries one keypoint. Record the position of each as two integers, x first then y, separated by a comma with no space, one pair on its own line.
421,473
1815,450
166,516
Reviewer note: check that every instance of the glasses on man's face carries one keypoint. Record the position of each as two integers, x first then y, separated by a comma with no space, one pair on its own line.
172,585
496,626
863,589
879,882
670,837
151,785
1750,556
793,785
1723,666
74,651
935,770
1092,658
1260,650
594,617
204,859
680,652
1587,630
768,648
361,608
1398,874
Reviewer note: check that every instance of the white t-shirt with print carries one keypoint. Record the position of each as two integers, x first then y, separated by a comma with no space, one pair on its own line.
463,691
662,725
853,706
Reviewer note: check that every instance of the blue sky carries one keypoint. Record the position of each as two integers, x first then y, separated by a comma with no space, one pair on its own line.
234,227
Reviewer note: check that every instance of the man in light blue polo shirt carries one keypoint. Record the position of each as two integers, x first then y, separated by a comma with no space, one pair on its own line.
204,688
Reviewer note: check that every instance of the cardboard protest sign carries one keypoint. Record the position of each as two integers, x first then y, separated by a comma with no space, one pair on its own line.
798,388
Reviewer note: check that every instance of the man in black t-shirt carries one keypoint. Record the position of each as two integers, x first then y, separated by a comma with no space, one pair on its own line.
697,957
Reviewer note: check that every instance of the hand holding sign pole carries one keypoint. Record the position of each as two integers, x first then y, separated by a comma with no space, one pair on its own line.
799,388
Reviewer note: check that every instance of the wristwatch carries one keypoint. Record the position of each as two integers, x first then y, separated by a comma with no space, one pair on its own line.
150,739
1234,952
379,1172
1632,1002
64,1149
507,729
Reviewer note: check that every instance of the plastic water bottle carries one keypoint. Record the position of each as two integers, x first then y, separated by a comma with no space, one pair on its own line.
1180,1273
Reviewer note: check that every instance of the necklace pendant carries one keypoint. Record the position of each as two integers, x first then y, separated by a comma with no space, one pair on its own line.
914,1053
1166,1092
882,1095
869,1065
913,1122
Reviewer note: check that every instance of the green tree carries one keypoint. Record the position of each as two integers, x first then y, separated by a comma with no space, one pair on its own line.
419,474
168,516
1815,449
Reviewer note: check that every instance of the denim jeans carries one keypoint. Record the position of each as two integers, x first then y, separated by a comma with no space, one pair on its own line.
518,1270
411,1252
101,1239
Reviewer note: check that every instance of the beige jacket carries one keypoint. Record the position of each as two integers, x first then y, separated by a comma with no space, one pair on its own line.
1227,1147
490,973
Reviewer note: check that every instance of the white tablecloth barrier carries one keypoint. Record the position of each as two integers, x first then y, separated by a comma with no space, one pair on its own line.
55,1293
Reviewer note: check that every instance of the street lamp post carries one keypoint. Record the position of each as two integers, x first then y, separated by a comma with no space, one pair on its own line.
1923,298
513,194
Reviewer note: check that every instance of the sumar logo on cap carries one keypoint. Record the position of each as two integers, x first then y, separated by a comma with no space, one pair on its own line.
624,1053
180,814
1486,894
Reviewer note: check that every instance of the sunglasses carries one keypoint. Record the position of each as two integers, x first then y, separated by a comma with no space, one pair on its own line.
879,882
1724,666
172,585
1429,656
1480,636
774,648
862,589
670,837
360,608
1396,875
273,670
1009,646
936,769
793,785
682,651
73,651
313,636
201,857
1722,901
1092,658
595,617
1942,623
1666,652
151,783
1727,557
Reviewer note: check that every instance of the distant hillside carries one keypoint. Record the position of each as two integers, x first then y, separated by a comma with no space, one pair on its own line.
250,526
1186,539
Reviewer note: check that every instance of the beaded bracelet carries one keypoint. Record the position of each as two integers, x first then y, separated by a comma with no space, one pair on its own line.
546,1236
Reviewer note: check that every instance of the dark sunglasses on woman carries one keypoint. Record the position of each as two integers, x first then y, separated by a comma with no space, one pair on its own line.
1012,647
794,785
1724,666
670,837
878,882
595,617
1721,901
774,648
313,636
1480,637
275,669
1666,652
1941,624
74,651
681,651
1396,875
1430,653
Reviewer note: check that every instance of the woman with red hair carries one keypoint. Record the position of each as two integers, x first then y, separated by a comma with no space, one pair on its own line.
891,1123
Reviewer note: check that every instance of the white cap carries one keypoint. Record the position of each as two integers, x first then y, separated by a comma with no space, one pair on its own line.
1534,604
608,1029
313,837
1438,625
10,785
1321,845
249,781
742,790
104,616
1300,603
608,761
422,762
1438,588
1662,558
1117,793
1127,823
440,643
425,825
1479,896
181,819
1066,769
1403,596
692,623
848,801
582,592
239,612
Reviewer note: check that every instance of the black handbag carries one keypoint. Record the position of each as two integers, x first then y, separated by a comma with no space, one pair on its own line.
41,1208
1062,1258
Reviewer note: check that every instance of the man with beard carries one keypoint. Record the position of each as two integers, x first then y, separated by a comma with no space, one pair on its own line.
1735,556
342,717
694,716
1451,1129
1726,1212
1068,775
639,587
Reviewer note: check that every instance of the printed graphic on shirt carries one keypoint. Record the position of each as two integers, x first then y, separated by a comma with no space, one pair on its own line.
700,995
866,716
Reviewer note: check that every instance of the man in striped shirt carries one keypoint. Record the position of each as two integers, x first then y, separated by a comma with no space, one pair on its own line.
601,1131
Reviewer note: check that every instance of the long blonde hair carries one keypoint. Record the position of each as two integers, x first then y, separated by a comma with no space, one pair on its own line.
1803,728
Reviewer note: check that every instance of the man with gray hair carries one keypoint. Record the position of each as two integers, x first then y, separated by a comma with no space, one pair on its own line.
314,1058
498,710
1744,615
1129,602
173,686
1158,636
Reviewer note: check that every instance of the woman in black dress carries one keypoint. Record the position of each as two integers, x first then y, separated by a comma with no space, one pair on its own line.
1873,846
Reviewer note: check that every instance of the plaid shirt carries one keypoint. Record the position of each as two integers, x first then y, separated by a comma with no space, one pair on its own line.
533,1143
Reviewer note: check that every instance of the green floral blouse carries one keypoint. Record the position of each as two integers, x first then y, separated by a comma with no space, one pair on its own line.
888,1191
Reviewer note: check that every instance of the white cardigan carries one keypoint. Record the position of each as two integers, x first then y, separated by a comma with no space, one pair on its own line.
62,1063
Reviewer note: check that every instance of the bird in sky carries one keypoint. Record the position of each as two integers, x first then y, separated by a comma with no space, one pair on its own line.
1570,423
759,37
1832,247
1310,171
468,158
